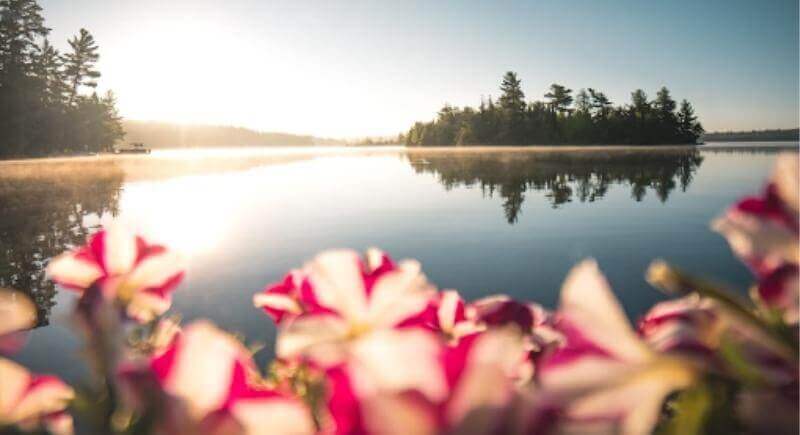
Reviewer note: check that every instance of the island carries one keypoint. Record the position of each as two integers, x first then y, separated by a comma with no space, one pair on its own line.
587,118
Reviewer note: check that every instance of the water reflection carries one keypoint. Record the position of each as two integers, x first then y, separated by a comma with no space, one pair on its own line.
45,213
582,175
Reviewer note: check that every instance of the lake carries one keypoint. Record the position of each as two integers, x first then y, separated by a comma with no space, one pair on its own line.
482,221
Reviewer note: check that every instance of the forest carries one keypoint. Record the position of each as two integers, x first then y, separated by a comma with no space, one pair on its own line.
791,134
48,99
586,117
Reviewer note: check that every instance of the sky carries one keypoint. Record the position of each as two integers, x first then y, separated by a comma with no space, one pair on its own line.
371,68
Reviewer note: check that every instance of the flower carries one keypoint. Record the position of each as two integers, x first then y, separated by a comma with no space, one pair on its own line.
338,298
763,232
217,388
605,376
29,401
17,315
690,325
442,389
122,267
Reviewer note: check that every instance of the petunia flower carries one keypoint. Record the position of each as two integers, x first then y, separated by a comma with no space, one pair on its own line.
216,388
763,232
466,388
690,325
605,377
30,402
17,316
122,267
338,298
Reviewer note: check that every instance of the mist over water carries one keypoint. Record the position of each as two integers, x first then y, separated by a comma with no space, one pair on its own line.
482,221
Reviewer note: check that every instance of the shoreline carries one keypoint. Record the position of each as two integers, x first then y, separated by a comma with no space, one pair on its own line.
315,150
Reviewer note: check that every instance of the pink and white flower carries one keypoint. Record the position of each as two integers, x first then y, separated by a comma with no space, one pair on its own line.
690,325
763,232
337,298
17,316
218,389
123,267
604,376
29,401
465,388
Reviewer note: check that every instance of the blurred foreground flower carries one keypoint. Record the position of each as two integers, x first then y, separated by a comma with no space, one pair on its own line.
467,388
17,316
763,232
605,379
212,386
31,402
337,298
124,268
28,401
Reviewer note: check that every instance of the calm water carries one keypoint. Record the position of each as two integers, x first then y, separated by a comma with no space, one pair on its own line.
483,222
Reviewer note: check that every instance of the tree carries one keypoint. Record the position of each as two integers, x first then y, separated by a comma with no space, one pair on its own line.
512,98
600,103
79,64
560,98
42,110
664,103
688,126
21,26
639,103
594,120
583,103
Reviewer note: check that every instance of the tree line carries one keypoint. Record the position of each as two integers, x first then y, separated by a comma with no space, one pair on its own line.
585,117
48,102
790,134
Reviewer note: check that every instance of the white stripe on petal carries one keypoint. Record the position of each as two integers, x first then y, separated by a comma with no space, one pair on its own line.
276,301
589,304
319,337
273,416
447,310
15,380
751,237
201,373
155,270
69,270
337,283
398,295
394,360
787,179
119,249
17,312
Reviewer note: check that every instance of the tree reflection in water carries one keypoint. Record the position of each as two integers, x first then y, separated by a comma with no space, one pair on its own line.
46,211
584,175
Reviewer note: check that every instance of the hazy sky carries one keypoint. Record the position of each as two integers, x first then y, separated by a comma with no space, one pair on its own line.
355,68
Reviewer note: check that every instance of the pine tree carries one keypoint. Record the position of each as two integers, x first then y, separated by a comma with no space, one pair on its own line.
21,27
79,64
512,98
560,98
688,126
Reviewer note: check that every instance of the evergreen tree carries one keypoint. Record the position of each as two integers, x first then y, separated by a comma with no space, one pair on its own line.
512,98
688,126
42,110
600,103
79,64
21,26
583,103
560,98
664,103
595,120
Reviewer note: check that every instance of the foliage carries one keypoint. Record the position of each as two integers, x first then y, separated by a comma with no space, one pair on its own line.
42,108
591,120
